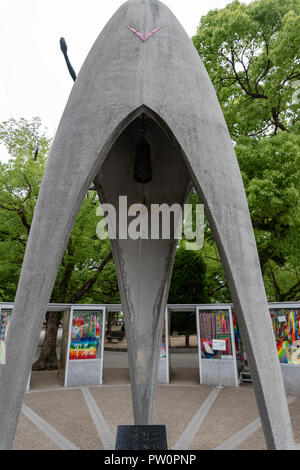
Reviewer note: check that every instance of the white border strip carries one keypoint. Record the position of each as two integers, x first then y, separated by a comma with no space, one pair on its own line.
167,343
188,435
56,437
68,347
103,430
199,343
233,348
102,343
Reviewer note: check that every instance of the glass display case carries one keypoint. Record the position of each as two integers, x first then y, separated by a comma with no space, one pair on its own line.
286,326
85,335
215,325
5,317
84,362
217,348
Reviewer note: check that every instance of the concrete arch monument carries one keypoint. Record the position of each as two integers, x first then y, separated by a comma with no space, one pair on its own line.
143,62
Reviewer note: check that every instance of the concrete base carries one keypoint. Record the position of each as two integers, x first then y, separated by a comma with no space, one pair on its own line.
85,373
291,378
209,374
163,375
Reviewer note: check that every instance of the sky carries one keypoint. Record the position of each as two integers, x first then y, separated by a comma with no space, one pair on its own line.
34,80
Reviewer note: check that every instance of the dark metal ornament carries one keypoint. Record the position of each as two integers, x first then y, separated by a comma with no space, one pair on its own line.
142,163
64,50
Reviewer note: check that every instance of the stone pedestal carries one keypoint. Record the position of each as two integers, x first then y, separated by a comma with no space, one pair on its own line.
141,438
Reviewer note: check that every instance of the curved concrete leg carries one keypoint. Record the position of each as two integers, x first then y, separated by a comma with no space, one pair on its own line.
165,74
236,244
59,201
220,187
74,161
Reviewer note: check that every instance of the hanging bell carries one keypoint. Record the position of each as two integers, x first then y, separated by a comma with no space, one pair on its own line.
142,164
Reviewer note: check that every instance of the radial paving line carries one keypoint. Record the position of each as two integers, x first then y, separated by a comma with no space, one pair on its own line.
186,438
104,431
56,437
47,390
241,436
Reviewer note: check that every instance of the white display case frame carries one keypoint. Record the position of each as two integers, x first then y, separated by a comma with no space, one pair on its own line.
164,363
290,372
178,308
97,362
9,306
217,371
6,307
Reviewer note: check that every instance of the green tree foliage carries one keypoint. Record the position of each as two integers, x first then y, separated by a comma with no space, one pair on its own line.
188,286
251,53
81,276
87,273
216,283
20,179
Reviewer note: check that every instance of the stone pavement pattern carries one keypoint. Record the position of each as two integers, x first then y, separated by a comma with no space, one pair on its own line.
197,417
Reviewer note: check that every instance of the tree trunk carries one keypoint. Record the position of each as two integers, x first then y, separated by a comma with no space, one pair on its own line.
109,322
187,340
48,358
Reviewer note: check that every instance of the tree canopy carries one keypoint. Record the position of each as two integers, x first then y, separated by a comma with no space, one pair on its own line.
87,272
251,53
188,286
188,283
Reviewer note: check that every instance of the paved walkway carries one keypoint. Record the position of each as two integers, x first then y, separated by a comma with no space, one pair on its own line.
197,417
